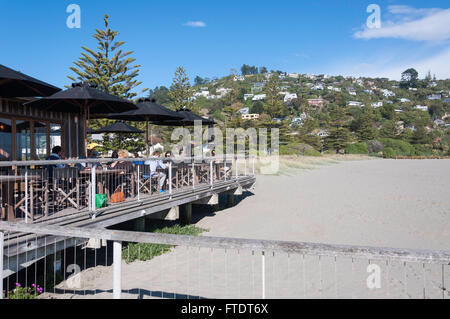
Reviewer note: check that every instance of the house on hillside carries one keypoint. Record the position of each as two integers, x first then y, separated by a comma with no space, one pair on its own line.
319,102
244,110
377,104
354,103
288,98
433,97
248,96
259,97
421,108
250,117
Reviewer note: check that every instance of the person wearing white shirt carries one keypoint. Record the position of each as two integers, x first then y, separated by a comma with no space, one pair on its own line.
154,165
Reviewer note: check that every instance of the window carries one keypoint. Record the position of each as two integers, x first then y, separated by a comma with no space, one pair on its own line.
40,140
23,140
55,135
5,140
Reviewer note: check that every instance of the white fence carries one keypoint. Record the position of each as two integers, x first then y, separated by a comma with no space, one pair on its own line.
100,263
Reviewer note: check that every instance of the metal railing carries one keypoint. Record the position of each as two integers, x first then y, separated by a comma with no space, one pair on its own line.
100,263
36,191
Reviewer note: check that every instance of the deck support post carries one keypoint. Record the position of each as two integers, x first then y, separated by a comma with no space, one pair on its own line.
2,237
140,224
117,270
230,199
186,214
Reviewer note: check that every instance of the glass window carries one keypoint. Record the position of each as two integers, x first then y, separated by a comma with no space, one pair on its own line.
23,140
55,135
40,140
5,140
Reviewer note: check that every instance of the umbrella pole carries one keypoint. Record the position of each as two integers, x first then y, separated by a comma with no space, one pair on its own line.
146,139
85,130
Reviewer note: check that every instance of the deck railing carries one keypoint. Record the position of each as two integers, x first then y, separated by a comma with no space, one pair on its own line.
35,191
100,263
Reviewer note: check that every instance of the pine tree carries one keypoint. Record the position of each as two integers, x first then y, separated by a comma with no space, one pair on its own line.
274,106
109,68
181,91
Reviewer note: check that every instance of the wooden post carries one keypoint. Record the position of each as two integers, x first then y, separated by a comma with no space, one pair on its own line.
140,224
2,237
230,199
186,214
117,270
93,188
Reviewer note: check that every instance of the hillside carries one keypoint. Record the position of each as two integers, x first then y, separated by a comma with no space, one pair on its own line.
332,113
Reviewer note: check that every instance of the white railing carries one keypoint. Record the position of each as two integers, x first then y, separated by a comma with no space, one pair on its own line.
34,191
175,266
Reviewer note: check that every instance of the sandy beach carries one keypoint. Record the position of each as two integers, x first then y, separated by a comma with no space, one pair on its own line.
382,203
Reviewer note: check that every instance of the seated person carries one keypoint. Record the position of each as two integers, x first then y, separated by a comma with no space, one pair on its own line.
154,164
124,166
55,156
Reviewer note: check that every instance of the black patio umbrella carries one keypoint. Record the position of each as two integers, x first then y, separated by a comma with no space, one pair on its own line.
119,127
83,98
148,111
188,119
16,84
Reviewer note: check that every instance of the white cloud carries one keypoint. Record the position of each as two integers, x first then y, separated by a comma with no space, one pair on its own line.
195,24
437,64
431,25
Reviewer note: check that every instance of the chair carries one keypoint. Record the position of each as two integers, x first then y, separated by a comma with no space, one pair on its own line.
66,187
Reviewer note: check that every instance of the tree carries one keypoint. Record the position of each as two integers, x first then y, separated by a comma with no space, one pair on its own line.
110,68
180,92
337,139
199,81
409,78
257,108
161,95
274,106
263,70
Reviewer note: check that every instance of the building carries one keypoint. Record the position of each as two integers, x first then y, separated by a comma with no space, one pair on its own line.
28,133
421,108
434,97
294,75
244,110
250,116
377,104
404,100
259,97
316,102
248,96
354,103
288,98
387,93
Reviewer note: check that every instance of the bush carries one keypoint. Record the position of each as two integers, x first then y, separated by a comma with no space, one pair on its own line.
389,152
374,147
144,252
401,148
357,148
312,152
298,149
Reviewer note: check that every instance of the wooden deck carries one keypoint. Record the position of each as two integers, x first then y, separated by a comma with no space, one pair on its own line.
23,250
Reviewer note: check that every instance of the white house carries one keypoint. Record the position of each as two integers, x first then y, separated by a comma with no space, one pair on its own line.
239,78
421,108
387,93
377,104
404,100
288,98
244,110
434,97
248,96
354,103
259,97
294,75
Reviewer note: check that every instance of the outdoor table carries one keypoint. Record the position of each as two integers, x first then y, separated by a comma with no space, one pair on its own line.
7,184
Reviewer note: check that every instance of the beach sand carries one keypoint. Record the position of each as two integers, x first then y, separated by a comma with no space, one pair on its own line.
382,203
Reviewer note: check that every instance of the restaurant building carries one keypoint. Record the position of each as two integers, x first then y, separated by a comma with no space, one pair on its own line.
29,133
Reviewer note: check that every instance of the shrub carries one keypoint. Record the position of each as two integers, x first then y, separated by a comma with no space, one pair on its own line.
144,252
401,148
357,148
374,147
389,152
312,152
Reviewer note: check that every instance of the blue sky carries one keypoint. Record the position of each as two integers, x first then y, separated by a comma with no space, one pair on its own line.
209,38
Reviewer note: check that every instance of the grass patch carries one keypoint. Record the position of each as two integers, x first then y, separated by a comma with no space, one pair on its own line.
145,252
